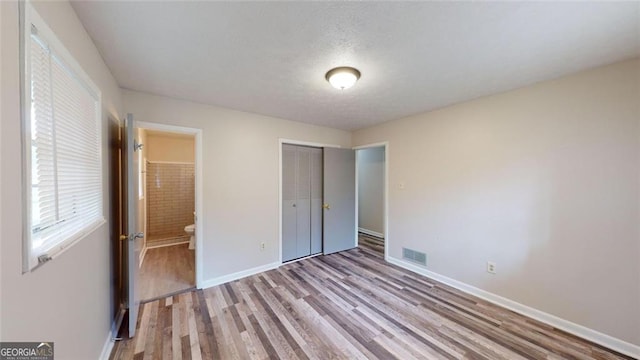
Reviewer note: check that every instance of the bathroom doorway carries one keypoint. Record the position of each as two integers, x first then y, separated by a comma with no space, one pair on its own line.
167,206
371,172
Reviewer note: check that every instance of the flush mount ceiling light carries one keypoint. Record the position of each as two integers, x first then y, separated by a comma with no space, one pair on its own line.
343,77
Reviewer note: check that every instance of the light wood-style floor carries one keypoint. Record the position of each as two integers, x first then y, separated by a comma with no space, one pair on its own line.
349,305
167,270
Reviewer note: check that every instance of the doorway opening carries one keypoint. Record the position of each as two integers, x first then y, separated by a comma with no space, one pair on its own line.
134,148
371,189
167,208
166,193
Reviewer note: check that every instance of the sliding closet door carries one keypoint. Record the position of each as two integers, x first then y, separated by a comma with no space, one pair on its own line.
303,202
289,227
316,200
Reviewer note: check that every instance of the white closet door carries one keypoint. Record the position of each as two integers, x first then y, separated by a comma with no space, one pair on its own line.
303,202
289,246
340,199
316,200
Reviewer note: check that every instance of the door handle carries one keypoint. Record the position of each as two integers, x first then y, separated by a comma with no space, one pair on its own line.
133,237
326,206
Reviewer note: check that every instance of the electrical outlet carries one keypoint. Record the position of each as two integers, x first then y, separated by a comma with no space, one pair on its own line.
491,267
262,246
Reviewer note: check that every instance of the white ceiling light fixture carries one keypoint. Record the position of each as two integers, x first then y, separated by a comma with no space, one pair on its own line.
342,77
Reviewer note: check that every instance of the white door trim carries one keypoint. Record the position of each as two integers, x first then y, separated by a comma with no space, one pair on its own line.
384,144
282,141
199,183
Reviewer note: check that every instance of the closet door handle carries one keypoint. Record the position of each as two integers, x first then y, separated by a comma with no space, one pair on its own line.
326,206
294,205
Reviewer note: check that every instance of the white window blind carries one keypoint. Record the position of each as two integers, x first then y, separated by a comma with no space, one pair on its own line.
64,137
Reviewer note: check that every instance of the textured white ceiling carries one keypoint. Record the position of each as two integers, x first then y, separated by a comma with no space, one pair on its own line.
270,58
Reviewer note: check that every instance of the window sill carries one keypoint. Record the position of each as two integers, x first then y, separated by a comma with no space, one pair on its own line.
62,248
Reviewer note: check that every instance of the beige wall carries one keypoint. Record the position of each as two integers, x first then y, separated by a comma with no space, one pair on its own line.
170,148
543,180
240,169
68,299
371,189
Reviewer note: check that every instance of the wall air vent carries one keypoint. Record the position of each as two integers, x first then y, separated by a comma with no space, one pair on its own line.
414,256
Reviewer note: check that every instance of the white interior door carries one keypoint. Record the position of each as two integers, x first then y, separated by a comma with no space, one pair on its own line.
339,200
132,234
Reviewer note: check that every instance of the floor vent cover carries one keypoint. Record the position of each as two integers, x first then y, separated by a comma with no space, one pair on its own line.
414,256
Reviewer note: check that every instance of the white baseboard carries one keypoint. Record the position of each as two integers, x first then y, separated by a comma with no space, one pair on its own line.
610,342
238,275
371,232
107,348
143,252
168,244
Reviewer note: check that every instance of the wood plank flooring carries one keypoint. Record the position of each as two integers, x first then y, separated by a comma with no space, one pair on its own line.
371,242
349,305
166,270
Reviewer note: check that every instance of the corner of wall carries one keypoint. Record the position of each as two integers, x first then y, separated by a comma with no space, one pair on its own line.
238,275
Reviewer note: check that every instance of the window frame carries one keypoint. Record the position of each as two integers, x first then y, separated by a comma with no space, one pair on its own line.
29,17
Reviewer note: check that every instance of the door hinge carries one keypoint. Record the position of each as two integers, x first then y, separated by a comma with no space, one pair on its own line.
137,146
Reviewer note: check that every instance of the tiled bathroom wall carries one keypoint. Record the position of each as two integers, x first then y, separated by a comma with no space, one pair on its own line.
170,200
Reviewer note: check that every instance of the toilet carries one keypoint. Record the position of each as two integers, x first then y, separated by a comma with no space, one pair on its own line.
191,230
